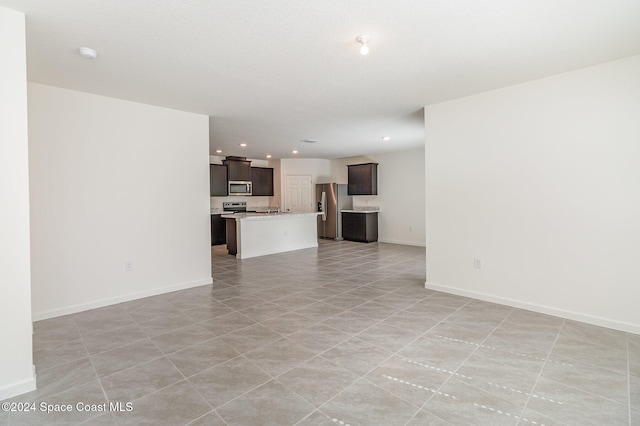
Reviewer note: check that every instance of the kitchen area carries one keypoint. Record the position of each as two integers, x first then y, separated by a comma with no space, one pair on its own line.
251,215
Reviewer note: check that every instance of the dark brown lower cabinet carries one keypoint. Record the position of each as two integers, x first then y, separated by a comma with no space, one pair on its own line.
218,230
361,227
232,244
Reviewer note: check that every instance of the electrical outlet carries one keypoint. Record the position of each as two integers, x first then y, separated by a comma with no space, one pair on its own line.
477,263
128,266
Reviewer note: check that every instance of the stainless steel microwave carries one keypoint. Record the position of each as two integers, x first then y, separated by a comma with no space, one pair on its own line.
239,187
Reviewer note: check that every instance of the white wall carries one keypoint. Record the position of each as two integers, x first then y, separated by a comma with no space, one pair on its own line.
113,182
401,194
541,181
16,365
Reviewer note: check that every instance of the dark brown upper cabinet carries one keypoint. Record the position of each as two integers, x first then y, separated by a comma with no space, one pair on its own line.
218,180
238,168
362,179
262,180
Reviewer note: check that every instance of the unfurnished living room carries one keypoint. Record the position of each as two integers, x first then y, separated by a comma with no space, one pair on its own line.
169,169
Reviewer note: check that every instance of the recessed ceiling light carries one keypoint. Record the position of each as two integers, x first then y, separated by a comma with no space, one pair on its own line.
363,40
295,151
243,144
268,155
386,138
87,52
218,151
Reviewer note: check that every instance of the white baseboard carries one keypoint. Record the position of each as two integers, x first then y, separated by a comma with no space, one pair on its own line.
404,243
18,388
66,310
562,313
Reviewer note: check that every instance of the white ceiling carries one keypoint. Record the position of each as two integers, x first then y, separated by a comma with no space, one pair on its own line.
272,73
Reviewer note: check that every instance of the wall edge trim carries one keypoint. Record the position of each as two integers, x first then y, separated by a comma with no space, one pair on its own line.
18,388
72,309
543,309
401,242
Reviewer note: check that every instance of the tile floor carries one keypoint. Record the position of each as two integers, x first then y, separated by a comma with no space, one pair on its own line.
342,334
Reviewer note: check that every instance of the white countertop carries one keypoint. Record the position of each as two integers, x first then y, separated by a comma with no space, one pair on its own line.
361,211
272,215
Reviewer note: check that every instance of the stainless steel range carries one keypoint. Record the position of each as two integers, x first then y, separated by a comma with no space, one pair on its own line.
234,206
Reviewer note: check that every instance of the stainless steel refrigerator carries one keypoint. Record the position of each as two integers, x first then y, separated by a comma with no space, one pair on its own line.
331,199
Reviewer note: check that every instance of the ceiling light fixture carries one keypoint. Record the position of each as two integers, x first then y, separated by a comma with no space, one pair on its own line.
243,144
295,151
87,52
386,138
218,151
268,155
363,40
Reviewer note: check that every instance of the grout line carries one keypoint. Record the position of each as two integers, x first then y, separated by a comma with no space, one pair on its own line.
535,385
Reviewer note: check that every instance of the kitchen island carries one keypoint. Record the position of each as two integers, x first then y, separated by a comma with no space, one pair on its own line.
258,234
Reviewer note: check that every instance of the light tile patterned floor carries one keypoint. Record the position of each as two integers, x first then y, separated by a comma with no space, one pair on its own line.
342,334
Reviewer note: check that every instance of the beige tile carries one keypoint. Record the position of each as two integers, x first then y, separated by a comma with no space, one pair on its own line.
357,355
264,311
280,356
177,404
320,311
103,319
220,384
375,310
410,341
592,334
409,381
572,406
438,353
424,418
87,394
210,419
634,392
54,331
318,380
47,356
523,339
350,322
502,380
59,379
317,419
112,339
591,379
175,340
249,338
364,403
196,358
387,337
269,404
288,323
140,380
460,403
227,323
318,338
474,332
123,357
165,324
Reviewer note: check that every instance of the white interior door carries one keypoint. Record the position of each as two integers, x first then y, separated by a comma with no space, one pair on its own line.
299,195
